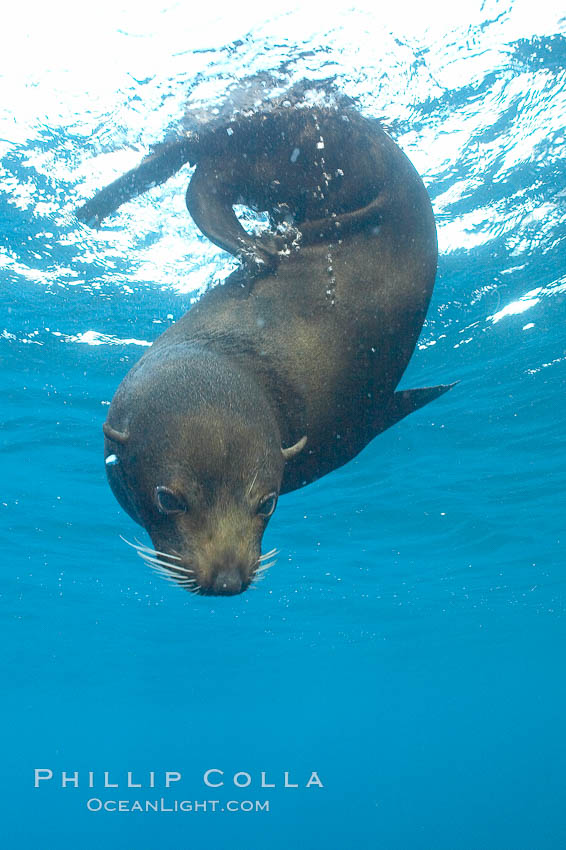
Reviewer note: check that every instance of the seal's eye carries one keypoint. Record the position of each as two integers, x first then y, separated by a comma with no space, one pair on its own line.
267,505
168,502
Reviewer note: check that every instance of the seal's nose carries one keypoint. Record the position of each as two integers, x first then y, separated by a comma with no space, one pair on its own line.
227,583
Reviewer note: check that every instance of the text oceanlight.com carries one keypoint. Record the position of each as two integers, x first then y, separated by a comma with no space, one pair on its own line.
191,806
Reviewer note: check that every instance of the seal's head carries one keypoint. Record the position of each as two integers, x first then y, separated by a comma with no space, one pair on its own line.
193,453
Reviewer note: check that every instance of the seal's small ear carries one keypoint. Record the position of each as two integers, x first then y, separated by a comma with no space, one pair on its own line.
294,450
112,434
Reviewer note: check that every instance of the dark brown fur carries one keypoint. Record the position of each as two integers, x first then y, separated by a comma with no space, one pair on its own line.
310,338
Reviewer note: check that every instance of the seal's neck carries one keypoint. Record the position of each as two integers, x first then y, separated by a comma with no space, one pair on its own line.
197,378
260,381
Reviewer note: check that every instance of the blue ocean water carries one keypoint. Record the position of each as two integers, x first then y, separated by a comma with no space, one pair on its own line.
408,645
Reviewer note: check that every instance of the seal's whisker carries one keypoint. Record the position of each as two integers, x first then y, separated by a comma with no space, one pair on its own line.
153,562
187,584
253,482
270,554
177,567
262,567
166,570
169,578
141,547
165,564
179,579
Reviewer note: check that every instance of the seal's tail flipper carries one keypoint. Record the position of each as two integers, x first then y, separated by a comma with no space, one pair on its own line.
407,401
164,161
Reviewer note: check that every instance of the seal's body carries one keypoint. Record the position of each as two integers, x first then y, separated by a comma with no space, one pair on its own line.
290,368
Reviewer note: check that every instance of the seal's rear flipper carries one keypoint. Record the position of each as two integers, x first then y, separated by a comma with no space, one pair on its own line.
210,203
164,161
407,401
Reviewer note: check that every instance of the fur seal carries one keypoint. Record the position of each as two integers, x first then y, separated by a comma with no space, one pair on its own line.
290,368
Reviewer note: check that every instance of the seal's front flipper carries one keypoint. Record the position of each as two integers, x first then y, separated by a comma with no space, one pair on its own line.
164,161
407,401
209,201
